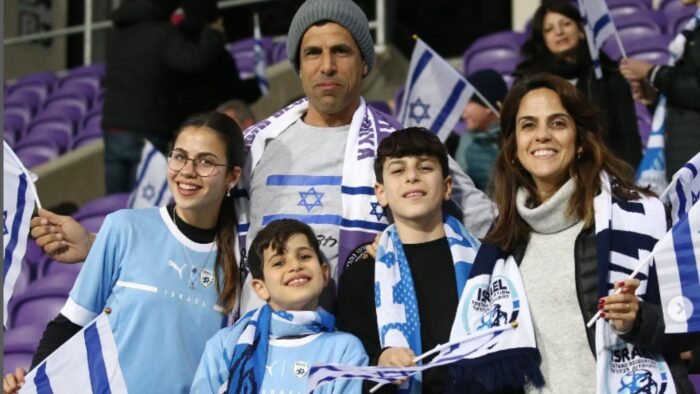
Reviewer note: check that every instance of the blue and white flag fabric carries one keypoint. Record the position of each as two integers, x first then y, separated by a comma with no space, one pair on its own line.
599,26
151,188
677,259
86,363
435,93
18,196
684,190
652,169
260,61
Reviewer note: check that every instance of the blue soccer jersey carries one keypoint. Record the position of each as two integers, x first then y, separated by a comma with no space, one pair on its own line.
288,362
160,288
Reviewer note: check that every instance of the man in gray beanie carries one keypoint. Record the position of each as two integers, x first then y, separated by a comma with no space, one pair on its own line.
313,160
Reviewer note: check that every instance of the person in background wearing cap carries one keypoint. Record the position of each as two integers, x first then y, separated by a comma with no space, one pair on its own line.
479,145
313,160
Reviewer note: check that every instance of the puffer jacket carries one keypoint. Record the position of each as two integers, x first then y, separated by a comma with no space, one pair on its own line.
648,330
681,86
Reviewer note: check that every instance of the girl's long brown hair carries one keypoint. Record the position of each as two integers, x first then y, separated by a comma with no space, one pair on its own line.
509,175
232,137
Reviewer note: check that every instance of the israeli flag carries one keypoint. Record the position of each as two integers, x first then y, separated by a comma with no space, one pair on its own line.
684,190
151,188
652,169
259,52
19,196
86,363
599,26
435,93
677,258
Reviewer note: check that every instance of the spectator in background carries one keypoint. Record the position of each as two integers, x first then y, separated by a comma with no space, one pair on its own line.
219,80
680,84
239,111
145,53
479,145
557,44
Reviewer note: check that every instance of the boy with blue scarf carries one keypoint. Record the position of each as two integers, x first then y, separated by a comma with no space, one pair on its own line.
271,349
403,304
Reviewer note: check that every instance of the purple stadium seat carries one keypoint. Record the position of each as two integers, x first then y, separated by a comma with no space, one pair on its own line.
19,344
69,107
41,301
500,51
626,7
97,70
85,86
279,53
16,116
653,49
677,15
637,26
58,133
45,78
34,153
51,267
10,136
31,96
91,121
102,206
24,279
85,139
34,253
695,380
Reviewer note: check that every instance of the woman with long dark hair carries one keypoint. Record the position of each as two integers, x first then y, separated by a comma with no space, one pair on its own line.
168,275
557,45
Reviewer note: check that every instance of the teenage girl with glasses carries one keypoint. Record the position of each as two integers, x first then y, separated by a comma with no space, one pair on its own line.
169,275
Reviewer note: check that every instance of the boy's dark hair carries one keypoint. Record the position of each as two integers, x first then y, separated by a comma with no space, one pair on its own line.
275,235
412,141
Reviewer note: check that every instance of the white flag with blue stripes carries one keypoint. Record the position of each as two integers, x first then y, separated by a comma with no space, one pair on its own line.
599,26
435,93
652,169
684,190
17,212
151,188
677,258
260,61
86,363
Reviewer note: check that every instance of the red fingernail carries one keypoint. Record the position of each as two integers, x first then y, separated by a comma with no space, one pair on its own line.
602,315
601,301
601,306
620,284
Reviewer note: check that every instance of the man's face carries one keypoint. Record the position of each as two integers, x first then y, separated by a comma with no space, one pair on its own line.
331,70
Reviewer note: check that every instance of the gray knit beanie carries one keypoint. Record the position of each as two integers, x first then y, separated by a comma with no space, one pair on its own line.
343,12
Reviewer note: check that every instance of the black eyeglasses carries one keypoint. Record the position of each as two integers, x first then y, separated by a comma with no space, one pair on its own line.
203,167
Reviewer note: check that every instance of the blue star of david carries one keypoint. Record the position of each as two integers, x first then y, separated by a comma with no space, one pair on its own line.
694,197
377,210
419,111
149,192
4,223
303,202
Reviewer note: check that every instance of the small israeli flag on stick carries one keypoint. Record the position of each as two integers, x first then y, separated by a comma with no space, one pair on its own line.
260,62
151,188
599,26
435,93
19,196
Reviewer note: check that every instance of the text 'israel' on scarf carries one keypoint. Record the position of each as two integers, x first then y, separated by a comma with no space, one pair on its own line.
576,225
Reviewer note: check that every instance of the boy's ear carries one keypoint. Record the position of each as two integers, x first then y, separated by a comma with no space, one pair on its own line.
448,188
326,270
379,192
260,289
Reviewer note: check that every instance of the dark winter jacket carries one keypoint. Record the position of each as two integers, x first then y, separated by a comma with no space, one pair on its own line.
681,86
146,57
648,329
611,94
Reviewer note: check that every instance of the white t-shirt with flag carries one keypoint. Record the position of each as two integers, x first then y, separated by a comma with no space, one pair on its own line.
162,313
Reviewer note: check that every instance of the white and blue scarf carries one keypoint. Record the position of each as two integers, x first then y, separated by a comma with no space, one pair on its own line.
367,128
395,300
626,232
247,367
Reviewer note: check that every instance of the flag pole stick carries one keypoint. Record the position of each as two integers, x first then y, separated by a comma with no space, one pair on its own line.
634,273
619,43
441,347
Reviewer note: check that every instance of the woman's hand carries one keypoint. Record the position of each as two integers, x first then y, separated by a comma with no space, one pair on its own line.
397,357
61,237
13,381
634,70
621,308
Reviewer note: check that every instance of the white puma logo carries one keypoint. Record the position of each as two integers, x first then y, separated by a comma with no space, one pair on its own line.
176,268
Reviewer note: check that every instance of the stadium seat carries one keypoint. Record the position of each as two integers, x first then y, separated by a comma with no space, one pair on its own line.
97,70
677,15
45,78
31,96
635,27
86,86
19,345
34,153
33,254
92,214
24,279
627,7
279,53
40,302
16,116
58,133
49,267
653,50
92,121
85,138
10,136
500,51
69,106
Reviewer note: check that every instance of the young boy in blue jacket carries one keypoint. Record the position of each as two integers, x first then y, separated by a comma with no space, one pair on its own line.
271,349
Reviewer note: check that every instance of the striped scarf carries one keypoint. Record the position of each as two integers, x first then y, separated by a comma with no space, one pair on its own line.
247,367
397,307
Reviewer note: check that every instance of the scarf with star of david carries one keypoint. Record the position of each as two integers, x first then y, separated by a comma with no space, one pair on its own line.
395,294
